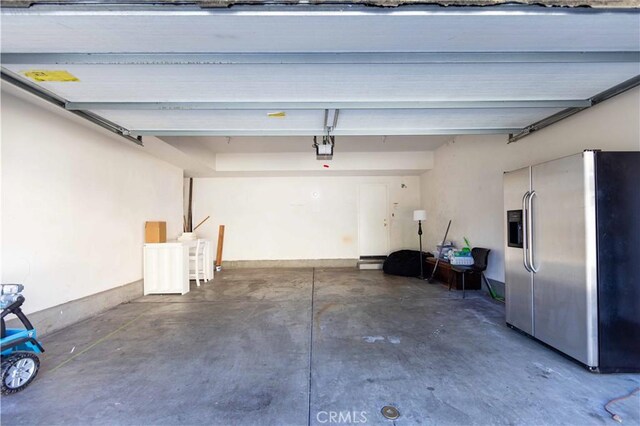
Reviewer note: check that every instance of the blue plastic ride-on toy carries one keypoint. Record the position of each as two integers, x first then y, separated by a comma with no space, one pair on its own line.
18,347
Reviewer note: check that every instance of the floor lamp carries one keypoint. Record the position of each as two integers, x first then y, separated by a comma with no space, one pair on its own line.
419,216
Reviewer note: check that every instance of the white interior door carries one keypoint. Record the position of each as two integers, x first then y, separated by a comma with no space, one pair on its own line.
373,223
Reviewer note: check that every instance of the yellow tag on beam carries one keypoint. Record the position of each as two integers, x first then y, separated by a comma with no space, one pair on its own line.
50,75
279,114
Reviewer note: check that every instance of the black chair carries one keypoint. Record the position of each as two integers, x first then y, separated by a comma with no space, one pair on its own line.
480,258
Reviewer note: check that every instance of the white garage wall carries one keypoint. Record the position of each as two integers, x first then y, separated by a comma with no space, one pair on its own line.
74,203
465,184
280,218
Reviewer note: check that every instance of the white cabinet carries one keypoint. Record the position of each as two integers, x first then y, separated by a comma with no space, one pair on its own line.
166,266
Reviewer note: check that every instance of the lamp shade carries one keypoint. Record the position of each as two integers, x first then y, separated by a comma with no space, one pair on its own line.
419,215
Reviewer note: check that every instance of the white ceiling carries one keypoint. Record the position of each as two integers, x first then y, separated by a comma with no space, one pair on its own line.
377,66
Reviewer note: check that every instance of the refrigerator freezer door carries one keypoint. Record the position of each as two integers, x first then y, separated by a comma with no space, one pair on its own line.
618,213
518,281
564,288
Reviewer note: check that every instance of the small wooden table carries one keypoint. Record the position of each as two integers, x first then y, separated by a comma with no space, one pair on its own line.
446,275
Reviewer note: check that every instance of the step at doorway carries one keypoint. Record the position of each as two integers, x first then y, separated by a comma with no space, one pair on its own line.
371,262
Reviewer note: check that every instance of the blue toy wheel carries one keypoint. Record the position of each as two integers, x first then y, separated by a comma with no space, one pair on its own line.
18,371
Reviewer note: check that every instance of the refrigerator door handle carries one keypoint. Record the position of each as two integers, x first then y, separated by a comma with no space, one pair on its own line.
525,232
532,266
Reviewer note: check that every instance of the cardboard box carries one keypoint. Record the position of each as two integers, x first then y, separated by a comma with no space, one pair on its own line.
155,232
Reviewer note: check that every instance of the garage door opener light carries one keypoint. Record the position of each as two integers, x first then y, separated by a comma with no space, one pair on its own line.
324,150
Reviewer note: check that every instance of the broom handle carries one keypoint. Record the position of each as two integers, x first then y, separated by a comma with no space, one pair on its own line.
435,267
198,225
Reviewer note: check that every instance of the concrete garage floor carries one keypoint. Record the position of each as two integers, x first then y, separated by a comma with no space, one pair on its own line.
237,351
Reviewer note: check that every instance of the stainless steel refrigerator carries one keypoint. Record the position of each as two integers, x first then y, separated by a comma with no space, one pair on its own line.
572,256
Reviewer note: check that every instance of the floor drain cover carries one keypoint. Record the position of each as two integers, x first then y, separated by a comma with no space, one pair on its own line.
390,412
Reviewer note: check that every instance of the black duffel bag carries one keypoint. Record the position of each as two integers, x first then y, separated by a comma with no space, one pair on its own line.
405,263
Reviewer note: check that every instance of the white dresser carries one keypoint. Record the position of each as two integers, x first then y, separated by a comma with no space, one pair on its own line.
166,266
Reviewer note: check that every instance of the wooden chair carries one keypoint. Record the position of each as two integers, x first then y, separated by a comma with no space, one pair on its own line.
198,263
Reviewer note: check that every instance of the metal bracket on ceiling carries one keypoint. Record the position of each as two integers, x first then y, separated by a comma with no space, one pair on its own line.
330,116
600,97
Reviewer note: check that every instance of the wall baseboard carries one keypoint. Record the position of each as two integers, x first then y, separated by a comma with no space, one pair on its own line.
290,263
58,317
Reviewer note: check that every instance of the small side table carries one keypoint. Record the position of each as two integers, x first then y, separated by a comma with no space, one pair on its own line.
451,278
